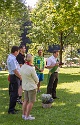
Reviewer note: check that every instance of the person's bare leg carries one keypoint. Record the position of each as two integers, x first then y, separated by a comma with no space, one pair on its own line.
20,95
38,86
29,107
24,107
20,91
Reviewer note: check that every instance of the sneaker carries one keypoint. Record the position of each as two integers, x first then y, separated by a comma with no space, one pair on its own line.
29,118
20,102
23,116
38,91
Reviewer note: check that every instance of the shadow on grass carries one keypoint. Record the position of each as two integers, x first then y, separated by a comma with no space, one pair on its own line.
3,73
64,111
68,78
64,78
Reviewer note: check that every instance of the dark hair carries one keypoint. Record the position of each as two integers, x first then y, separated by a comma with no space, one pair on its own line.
40,50
14,48
21,46
54,51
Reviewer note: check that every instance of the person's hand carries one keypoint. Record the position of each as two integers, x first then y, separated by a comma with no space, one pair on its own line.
41,70
20,78
57,64
45,66
61,63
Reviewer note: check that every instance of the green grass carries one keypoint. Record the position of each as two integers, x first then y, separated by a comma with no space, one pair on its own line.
64,111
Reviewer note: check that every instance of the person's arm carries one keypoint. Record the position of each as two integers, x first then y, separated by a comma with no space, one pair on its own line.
34,76
17,74
14,69
36,67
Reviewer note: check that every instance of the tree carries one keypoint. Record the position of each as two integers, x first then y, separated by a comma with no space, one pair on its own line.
12,13
56,21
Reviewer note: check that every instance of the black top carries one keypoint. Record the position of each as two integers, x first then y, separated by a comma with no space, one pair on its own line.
20,58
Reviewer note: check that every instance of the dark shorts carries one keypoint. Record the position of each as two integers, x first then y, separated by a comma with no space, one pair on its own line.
40,76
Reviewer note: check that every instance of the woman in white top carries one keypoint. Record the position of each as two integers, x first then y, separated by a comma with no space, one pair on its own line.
29,85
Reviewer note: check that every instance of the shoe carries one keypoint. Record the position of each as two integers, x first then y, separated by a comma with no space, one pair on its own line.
38,91
29,118
56,97
23,116
12,112
17,100
20,102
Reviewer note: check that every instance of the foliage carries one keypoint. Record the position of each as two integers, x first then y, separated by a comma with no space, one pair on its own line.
56,22
71,51
13,14
12,7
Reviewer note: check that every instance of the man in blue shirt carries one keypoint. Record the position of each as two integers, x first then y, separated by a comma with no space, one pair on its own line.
14,72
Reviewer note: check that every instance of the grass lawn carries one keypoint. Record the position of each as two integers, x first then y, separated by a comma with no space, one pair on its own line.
64,111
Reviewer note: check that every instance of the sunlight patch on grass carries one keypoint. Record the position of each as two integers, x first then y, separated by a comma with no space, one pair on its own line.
64,111
4,75
58,104
3,71
3,88
2,113
70,70
39,100
43,87
46,71
73,87
78,105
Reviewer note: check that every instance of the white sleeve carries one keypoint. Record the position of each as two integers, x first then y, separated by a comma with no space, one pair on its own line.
48,62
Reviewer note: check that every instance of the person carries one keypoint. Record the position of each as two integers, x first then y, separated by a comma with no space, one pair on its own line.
21,60
29,85
39,67
14,73
53,66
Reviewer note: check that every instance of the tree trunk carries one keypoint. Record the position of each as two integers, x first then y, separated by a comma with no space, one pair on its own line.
61,45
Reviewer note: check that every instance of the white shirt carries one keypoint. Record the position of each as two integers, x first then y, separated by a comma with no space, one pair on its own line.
29,77
52,61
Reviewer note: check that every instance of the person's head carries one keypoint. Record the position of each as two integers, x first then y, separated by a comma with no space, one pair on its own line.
22,49
40,52
15,50
29,58
55,53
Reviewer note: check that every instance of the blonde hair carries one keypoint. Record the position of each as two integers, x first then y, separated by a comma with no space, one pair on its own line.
29,57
